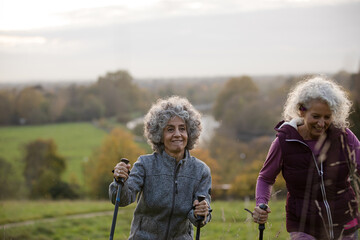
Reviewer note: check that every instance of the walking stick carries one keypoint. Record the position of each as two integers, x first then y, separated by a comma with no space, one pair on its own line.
121,183
262,225
199,218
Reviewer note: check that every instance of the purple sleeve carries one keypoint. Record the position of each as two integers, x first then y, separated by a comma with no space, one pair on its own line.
268,173
354,146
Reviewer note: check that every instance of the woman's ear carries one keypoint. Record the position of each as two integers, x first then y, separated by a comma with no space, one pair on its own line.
302,113
302,110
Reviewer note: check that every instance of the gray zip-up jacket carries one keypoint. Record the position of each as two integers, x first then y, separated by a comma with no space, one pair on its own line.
167,190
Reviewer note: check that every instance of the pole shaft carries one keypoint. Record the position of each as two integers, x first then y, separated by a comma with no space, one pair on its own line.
115,212
198,232
199,218
261,235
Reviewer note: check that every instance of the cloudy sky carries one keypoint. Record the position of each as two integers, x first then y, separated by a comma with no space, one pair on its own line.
83,39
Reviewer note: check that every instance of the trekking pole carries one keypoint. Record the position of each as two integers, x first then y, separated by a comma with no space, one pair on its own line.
262,225
199,218
120,182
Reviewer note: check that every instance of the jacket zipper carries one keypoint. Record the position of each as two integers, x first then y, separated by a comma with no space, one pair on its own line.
322,187
175,191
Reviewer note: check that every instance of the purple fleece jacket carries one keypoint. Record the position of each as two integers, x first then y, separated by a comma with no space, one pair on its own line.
273,165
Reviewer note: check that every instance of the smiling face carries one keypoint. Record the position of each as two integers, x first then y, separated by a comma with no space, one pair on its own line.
317,120
175,137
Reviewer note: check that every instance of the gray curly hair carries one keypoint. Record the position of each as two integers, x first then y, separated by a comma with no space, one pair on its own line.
319,88
162,111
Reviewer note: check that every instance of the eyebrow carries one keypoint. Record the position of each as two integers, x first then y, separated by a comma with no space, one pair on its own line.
171,125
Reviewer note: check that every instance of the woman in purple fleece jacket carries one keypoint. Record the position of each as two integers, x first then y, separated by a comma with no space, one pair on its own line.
316,153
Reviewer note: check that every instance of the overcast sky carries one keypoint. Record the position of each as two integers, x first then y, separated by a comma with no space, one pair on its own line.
81,40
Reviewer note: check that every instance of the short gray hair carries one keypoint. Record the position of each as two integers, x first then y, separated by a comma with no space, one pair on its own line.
319,88
159,115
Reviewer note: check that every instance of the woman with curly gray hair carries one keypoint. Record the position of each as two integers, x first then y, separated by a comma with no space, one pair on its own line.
317,154
168,181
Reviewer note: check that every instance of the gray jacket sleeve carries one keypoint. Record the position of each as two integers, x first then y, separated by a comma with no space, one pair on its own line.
204,188
131,187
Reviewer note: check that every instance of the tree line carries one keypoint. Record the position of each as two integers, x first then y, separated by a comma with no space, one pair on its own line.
113,95
246,112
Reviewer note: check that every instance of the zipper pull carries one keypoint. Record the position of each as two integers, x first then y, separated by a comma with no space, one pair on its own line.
176,188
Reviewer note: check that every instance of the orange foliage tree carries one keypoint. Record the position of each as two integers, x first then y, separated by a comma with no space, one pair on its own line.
118,144
204,155
245,182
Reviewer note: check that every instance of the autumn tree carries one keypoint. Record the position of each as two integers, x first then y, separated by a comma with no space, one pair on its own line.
230,153
245,181
234,155
118,144
244,185
204,155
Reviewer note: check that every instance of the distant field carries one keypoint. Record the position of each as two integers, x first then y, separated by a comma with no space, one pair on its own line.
230,221
75,141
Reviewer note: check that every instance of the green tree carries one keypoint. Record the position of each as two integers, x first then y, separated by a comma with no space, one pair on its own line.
57,105
82,104
242,111
43,167
118,144
355,93
32,106
120,96
236,92
9,181
6,107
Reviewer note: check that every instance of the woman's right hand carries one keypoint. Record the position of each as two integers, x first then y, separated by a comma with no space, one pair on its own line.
260,216
122,170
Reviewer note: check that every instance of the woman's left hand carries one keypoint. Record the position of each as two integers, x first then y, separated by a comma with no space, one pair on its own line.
260,216
201,208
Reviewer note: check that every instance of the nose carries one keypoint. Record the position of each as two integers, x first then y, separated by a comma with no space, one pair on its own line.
321,122
177,132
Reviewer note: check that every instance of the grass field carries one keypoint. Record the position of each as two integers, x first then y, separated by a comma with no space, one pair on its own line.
229,222
75,141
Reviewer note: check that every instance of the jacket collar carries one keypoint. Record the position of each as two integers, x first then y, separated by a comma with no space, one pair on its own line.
295,122
172,159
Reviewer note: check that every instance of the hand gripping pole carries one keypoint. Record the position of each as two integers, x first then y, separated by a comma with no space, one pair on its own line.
262,225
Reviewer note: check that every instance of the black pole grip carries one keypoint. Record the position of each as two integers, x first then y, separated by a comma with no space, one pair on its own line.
121,180
200,198
124,160
262,206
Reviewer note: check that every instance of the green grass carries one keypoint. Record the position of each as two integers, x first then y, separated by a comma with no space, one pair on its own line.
75,141
17,211
230,221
